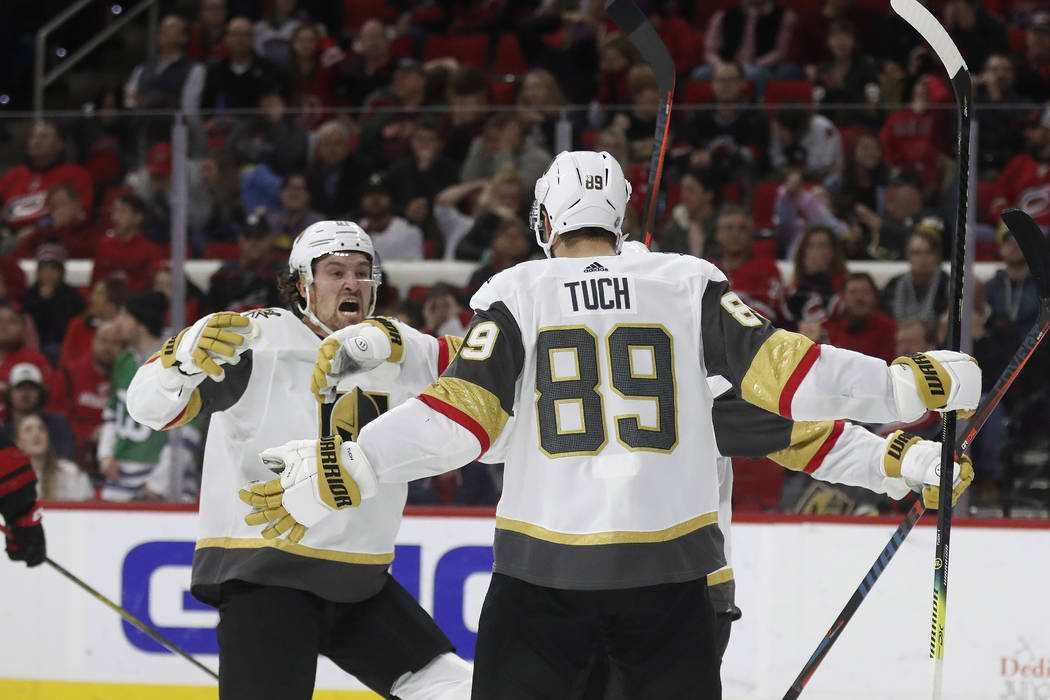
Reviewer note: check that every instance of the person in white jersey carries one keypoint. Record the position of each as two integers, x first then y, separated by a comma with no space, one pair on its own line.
586,375
328,590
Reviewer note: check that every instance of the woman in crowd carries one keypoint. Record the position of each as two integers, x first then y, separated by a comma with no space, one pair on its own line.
311,66
58,479
863,181
541,103
820,268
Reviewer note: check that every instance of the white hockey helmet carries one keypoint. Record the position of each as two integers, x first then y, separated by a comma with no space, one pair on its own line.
580,189
331,238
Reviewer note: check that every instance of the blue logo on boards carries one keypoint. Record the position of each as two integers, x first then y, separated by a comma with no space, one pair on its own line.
451,573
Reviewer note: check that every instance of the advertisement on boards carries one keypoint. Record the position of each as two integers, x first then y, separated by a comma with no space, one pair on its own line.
792,580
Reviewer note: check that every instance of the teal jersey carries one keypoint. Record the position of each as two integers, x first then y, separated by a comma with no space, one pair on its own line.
135,442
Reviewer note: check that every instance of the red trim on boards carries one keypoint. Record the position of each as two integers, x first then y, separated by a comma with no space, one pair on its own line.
489,512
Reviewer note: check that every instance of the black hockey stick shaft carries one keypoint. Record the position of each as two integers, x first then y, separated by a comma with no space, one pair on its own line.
643,36
1037,253
937,37
140,624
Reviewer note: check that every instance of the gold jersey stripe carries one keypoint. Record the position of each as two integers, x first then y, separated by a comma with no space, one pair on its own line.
720,576
772,367
193,407
807,437
476,401
454,343
594,538
297,549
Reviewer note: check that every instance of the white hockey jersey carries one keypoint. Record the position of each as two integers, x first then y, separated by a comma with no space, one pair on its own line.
263,401
610,460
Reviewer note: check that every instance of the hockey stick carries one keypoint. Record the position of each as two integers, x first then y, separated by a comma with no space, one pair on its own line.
153,634
937,37
1037,254
641,33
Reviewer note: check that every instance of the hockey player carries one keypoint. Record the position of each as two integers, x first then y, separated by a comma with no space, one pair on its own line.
282,602
22,519
586,374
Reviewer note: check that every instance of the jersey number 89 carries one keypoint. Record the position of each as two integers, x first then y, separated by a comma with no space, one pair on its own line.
653,380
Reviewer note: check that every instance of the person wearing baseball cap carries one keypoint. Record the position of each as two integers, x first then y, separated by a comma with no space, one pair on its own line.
393,236
27,394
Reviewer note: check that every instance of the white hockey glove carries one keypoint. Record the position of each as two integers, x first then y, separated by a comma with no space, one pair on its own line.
357,348
199,351
318,477
913,464
939,380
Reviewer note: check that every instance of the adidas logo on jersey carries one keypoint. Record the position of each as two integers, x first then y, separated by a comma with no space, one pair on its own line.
595,267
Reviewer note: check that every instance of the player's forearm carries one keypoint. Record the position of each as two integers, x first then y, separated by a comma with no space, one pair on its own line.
845,384
435,444
855,460
153,401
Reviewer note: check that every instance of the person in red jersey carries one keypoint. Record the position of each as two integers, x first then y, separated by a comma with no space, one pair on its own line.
1025,181
23,189
80,390
860,326
914,138
124,250
103,303
69,226
755,278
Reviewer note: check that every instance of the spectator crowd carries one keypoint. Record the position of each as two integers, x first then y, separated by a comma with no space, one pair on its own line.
817,132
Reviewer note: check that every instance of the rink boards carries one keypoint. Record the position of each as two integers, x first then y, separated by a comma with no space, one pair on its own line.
793,576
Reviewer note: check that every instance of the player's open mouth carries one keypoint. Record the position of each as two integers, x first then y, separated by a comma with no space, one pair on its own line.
350,306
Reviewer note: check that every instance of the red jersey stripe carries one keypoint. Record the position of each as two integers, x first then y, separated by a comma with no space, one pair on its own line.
829,442
443,354
788,394
458,416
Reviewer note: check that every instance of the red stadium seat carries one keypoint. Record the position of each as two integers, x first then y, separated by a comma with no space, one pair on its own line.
221,251
698,92
589,140
356,12
765,248
401,47
1017,37
985,193
731,192
701,92
509,58
778,91
849,134
704,9
986,251
756,484
470,50
671,199
762,204
502,92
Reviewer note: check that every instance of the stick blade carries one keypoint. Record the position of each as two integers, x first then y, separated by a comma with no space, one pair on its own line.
1033,245
634,24
912,12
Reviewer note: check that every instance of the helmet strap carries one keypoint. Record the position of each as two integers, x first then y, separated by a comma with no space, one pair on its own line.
305,310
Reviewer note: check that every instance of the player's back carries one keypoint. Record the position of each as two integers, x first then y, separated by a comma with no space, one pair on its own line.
609,458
